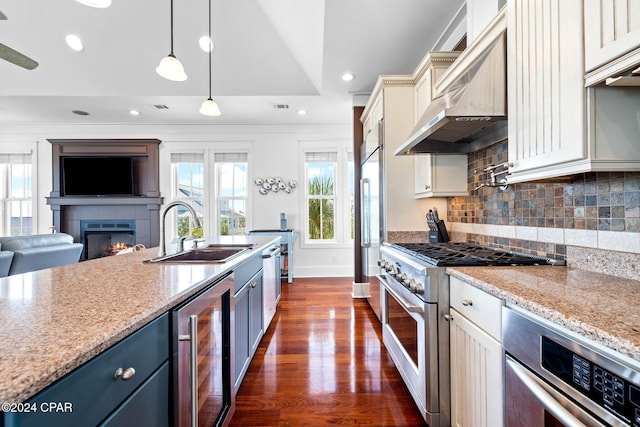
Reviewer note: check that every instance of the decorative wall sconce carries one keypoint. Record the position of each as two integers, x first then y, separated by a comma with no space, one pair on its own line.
274,185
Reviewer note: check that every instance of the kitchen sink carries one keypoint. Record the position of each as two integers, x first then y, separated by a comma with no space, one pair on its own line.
216,253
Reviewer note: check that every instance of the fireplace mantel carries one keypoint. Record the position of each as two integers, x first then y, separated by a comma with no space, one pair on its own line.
102,201
144,207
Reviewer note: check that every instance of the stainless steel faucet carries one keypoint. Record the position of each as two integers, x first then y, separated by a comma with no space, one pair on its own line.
194,219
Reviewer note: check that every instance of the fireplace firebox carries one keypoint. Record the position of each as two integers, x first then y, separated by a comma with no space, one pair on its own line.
102,238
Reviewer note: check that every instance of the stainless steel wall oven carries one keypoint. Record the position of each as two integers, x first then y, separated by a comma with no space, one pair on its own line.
556,378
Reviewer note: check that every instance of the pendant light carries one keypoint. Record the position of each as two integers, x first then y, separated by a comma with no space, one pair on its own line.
170,67
210,107
100,4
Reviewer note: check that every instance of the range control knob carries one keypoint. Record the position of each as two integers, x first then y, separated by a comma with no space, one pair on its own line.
382,262
402,278
417,288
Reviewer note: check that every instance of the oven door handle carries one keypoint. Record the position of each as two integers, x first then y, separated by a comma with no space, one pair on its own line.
545,396
405,304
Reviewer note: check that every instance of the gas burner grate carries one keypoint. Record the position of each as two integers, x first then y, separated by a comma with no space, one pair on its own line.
469,254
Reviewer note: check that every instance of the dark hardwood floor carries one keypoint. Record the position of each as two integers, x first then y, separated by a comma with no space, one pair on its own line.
322,362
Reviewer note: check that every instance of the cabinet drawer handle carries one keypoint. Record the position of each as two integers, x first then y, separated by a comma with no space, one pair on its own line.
254,284
427,187
448,318
467,302
124,374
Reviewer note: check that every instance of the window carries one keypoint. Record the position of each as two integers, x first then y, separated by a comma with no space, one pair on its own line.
16,194
231,192
320,177
188,186
350,195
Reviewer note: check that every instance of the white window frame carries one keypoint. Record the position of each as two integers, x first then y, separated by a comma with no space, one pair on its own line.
342,238
209,150
217,199
5,227
175,196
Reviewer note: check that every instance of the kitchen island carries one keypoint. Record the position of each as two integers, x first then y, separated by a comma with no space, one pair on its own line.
600,307
53,321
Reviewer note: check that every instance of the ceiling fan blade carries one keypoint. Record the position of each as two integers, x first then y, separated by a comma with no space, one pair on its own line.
16,57
3,17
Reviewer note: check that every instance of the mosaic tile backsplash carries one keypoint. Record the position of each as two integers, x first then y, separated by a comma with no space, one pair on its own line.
607,201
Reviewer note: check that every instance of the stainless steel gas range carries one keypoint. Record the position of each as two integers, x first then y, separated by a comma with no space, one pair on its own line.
415,306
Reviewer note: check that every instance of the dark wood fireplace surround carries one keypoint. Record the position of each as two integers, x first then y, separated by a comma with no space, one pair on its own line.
143,207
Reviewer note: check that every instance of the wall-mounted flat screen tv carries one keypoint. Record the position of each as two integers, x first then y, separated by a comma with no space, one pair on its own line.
97,176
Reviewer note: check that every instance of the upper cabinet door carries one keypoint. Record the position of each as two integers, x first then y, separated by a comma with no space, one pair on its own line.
612,38
546,95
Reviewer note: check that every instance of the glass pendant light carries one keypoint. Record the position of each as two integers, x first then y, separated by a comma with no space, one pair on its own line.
170,67
101,4
210,107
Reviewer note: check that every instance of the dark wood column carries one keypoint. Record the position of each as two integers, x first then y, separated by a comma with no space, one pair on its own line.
357,147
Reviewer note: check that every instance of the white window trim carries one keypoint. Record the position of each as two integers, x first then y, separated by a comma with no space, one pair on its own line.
32,149
214,187
171,225
341,227
209,149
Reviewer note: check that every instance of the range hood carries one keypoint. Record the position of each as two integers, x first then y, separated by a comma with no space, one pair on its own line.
471,112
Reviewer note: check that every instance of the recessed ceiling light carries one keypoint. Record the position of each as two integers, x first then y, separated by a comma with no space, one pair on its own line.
101,4
135,112
80,112
74,42
302,112
347,77
206,44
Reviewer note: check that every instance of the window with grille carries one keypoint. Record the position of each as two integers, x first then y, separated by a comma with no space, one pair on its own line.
188,181
231,192
320,193
16,194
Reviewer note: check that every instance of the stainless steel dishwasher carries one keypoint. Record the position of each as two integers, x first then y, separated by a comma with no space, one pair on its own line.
271,282
554,377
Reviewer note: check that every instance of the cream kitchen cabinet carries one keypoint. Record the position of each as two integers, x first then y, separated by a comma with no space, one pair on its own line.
374,115
436,175
612,38
440,175
557,127
427,73
392,102
475,319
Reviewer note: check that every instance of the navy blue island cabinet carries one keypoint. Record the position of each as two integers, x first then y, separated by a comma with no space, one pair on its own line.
126,385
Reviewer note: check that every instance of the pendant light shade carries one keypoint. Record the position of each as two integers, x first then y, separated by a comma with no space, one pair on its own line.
210,107
96,3
170,67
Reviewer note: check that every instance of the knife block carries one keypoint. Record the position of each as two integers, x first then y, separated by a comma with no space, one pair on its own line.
440,235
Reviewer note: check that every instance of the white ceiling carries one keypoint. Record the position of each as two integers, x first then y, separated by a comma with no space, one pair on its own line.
267,52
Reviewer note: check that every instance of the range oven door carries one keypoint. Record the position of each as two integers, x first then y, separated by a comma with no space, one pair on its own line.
409,332
532,402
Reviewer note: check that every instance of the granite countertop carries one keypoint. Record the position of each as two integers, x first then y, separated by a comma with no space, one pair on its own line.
54,320
600,307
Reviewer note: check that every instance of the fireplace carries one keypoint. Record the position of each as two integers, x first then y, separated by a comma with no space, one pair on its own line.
143,206
102,238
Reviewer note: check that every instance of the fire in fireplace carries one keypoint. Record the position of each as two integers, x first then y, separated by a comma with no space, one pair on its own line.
102,238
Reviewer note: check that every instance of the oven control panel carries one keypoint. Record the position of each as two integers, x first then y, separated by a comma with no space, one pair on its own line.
613,392
403,275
